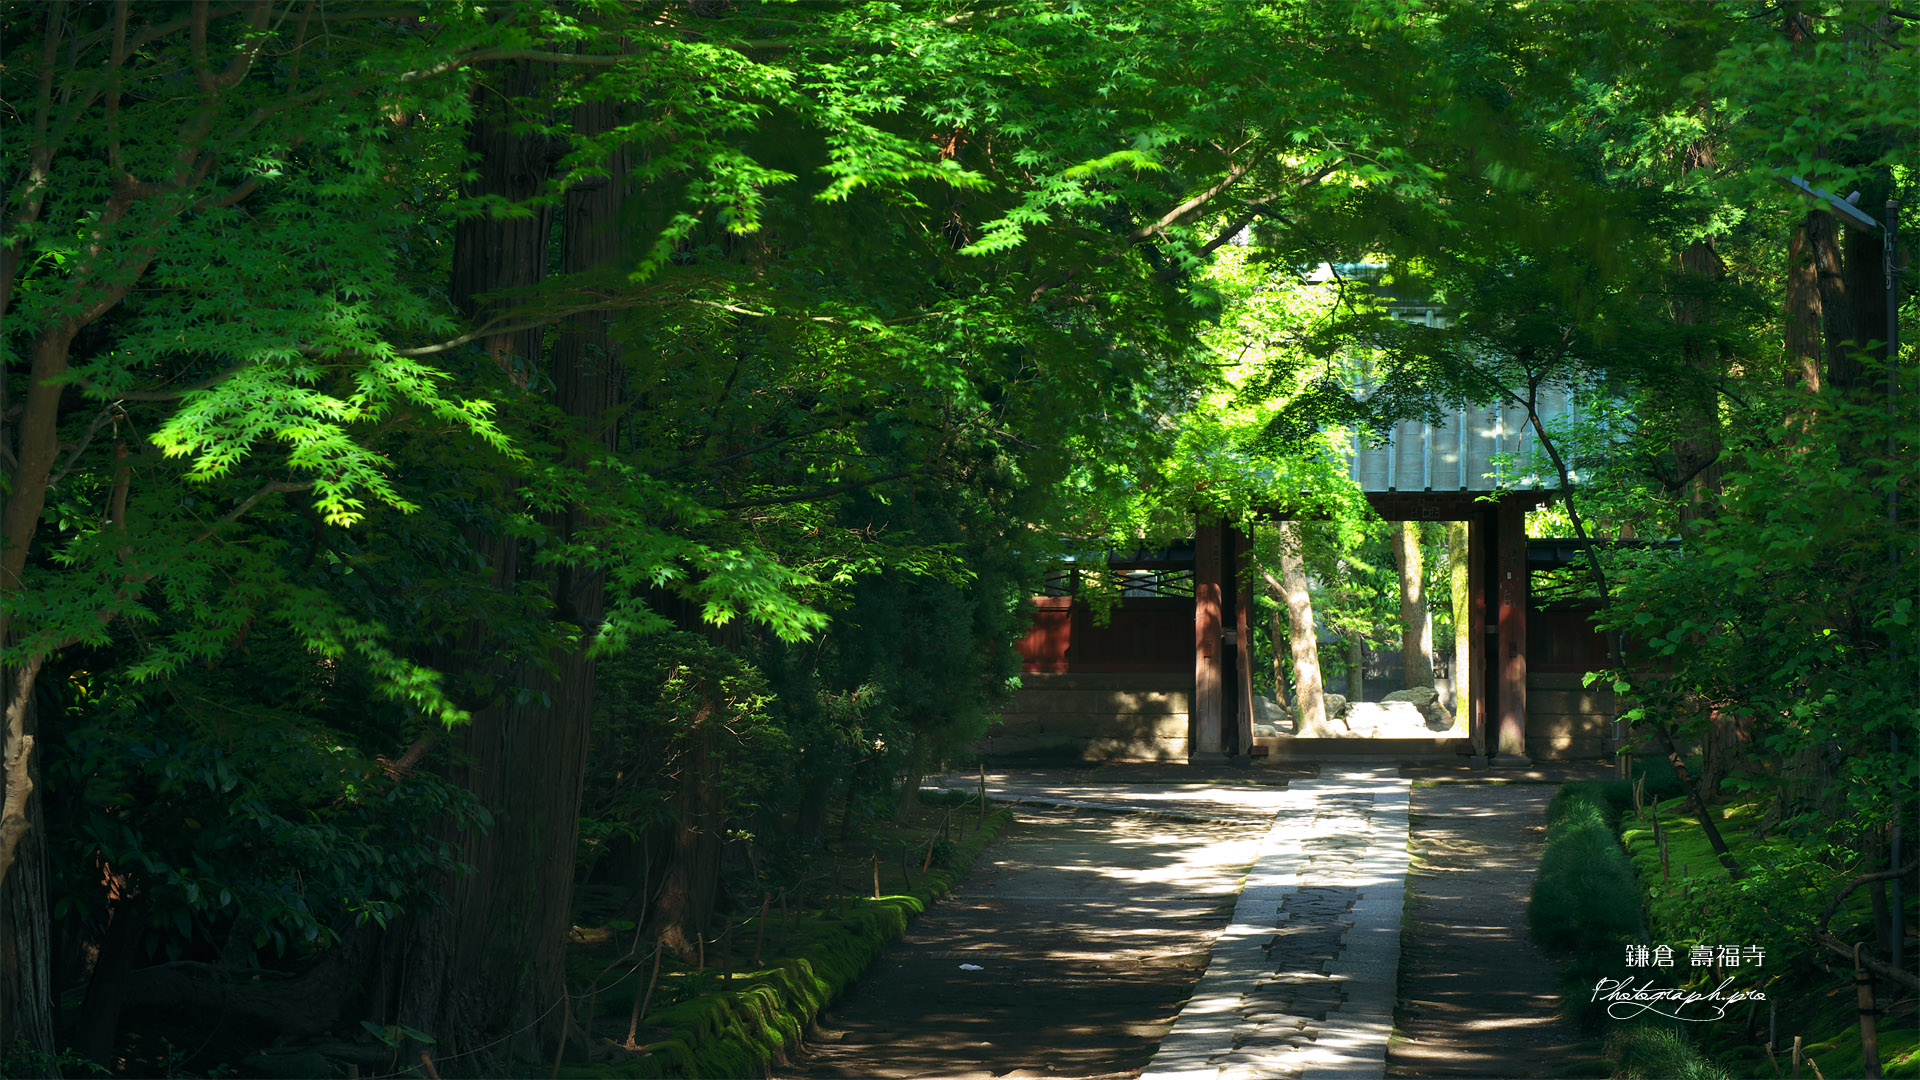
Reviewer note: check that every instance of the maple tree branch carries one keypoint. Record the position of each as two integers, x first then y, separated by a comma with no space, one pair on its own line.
39,159
269,488
490,55
694,459
1255,207
99,421
822,493
400,767
1180,212
167,395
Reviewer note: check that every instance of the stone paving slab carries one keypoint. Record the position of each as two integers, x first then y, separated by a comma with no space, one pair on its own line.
1256,798
1301,983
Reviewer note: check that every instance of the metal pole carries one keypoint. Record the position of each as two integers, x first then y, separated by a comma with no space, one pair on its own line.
1889,233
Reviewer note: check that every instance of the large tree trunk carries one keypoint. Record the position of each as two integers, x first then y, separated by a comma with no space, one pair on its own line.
107,989
1308,693
1835,288
1276,633
1803,307
1416,622
485,975
1697,450
691,884
35,452
911,774
1462,602
26,948
1697,460
1866,288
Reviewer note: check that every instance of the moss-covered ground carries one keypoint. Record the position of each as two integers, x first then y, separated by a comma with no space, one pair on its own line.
1811,995
733,1017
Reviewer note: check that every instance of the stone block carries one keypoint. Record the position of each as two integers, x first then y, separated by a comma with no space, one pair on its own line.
1419,695
1093,725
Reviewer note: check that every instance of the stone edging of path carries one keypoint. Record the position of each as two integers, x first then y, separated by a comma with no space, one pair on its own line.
1152,813
1301,982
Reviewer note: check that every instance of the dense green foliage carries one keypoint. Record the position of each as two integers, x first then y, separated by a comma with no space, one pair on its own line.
346,437
1688,901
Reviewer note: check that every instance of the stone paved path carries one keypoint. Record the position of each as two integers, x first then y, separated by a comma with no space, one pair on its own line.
1113,927
1081,934
1301,983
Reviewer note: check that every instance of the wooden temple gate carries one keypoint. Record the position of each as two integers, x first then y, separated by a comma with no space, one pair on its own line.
1128,681
1496,669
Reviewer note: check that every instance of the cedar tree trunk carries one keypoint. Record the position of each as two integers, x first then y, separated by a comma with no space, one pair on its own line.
691,881
487,970
1292,588
1416,622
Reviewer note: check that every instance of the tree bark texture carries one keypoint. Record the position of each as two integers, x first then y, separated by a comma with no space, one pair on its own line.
691,879
1308,691
485,975
1416,622
1803,307
1696,450
107,989
1865,270
26,946
35,452
1461,596
1838,323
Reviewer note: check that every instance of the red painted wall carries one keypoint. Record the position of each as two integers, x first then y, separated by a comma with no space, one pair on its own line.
1146,634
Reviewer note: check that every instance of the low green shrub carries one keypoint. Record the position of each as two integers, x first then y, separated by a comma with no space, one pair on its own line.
1585,902
1584,897
1656,1052
1601,801
1658,778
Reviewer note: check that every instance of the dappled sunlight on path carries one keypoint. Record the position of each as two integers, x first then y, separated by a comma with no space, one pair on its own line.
1087,931
1301,982
1244,924
1477,996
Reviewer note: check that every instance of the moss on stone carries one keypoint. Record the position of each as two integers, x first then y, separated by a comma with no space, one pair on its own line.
743,1029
